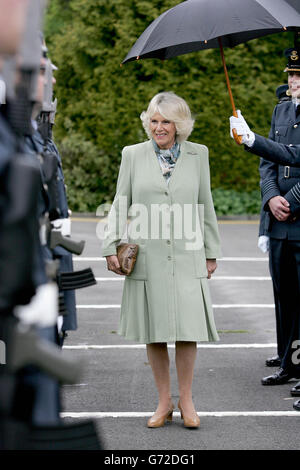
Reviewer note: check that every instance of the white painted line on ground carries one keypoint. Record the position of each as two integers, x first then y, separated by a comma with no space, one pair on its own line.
98,306
231,258
143,414
243,306
143,346
214,278
242,258
75,385
240,278
108,306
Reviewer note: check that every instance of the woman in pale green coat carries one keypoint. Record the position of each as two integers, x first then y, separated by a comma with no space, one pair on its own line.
164,186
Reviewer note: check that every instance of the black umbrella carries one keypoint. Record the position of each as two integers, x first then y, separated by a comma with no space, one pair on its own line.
194,25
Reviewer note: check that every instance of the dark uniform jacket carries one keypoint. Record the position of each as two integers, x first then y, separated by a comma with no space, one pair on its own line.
36,144
17,256
34,147
64,256
282,154
282,180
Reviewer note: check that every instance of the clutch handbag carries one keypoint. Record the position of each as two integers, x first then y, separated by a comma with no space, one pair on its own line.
127,254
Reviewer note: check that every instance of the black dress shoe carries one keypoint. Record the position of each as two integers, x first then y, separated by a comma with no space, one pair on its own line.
296,405
295,391
281,376
273,361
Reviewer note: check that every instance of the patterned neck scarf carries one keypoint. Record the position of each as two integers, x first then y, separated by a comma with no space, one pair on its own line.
167,158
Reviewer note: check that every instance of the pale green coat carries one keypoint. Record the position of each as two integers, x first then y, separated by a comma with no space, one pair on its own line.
166,298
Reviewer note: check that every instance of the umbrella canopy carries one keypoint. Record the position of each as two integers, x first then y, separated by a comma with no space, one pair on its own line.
194,25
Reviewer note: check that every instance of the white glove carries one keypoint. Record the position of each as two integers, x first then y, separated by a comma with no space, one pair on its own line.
242,129
63,225
60,321
42,311
2,91
263,243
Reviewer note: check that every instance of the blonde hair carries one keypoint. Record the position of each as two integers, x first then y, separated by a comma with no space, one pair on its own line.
173,108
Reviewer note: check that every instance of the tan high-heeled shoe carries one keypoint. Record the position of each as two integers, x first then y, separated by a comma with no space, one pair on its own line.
159,422
189,421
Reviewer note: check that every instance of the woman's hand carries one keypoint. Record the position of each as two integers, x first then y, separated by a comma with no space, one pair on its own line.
211,265
113,264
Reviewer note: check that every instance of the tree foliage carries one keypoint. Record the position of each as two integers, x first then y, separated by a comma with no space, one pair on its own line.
99,102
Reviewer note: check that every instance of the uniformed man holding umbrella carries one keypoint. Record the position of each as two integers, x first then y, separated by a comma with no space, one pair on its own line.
289,157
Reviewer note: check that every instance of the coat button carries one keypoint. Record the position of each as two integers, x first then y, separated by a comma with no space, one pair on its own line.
169,242
295,126
276,132
169,258
166,193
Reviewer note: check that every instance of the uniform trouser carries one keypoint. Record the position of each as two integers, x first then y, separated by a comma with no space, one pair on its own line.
285,271
280,346
42,390
66,266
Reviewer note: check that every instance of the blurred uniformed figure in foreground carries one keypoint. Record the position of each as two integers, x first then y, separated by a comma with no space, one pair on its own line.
59,231
22,270
62,244
281,198
33,367
59,211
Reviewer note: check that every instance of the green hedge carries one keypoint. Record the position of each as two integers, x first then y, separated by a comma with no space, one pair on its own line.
81,158
231,202
99,102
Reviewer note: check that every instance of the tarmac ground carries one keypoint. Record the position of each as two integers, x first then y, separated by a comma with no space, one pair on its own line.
117,390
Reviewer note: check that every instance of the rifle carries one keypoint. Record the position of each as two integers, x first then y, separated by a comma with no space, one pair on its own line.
55,238
27,348
24,347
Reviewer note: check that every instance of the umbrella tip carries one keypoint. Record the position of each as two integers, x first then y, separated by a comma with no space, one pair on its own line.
121,65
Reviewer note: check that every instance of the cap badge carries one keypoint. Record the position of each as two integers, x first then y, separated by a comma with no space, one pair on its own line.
294,55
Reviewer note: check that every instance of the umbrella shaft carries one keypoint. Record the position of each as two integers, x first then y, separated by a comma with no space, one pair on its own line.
237,138
227,78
